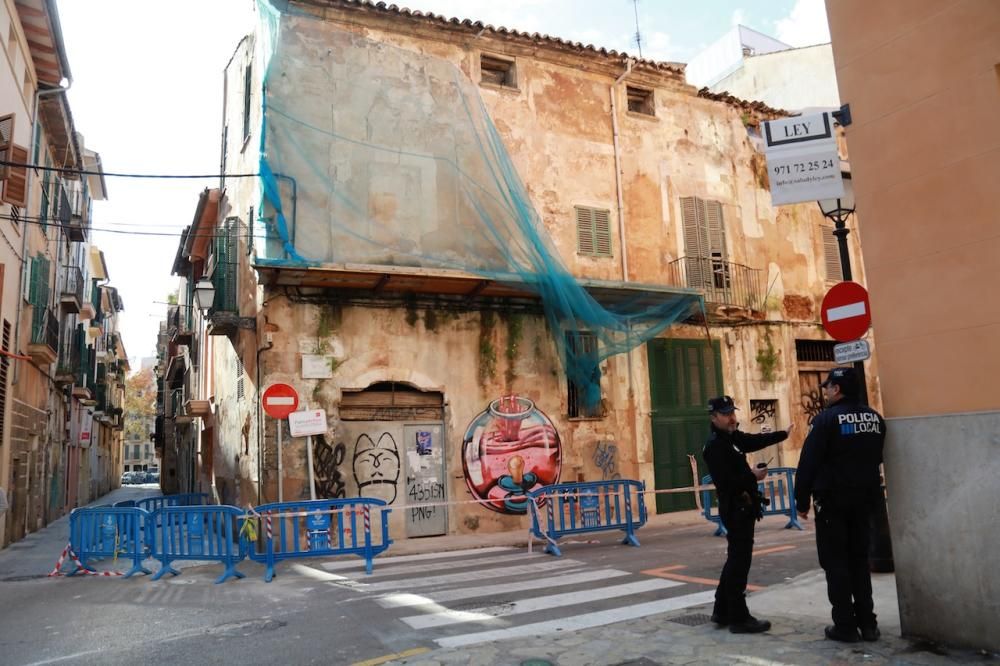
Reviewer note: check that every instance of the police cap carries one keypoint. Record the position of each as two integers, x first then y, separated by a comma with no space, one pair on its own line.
723,405
845,378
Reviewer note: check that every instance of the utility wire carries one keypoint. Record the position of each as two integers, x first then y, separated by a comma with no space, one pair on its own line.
109,174
48,222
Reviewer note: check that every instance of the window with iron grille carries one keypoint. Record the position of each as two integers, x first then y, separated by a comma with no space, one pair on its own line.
593,231
640,100
4,369
582,344
240,373
247,96
497,71
814,351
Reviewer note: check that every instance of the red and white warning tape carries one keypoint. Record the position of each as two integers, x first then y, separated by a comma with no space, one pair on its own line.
68,550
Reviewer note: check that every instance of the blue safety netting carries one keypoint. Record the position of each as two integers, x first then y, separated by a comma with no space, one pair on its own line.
396,161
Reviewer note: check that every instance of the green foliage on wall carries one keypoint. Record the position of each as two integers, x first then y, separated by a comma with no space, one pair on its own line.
767,359
515,333
487,351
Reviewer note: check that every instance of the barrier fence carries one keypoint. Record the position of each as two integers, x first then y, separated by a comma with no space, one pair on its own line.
579,508
320,528
101,532
196,533
778,487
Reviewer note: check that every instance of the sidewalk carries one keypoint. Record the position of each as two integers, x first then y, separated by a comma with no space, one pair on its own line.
34,555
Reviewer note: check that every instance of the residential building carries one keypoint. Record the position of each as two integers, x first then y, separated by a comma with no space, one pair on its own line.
400,277
751,65
57,399
923,84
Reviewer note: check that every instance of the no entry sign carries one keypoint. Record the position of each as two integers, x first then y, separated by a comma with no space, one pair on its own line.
280,400
846,312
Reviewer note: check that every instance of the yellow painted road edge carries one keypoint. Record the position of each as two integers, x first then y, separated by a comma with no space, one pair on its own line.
389,657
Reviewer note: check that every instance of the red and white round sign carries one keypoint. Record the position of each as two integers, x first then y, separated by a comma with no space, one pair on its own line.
846,311
280,400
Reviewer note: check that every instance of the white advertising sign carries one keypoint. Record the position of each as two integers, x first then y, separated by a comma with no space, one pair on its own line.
802,160
317,366
848,352
311,422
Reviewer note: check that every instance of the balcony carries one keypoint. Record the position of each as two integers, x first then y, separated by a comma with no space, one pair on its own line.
179,324
69,363
79,220
71,296
730,290
178,407
44,336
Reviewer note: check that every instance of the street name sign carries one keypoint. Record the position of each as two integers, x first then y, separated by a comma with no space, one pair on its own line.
849,352
802,159
304,424
846,312
280,400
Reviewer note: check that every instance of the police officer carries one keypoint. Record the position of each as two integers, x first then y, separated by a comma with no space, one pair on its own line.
839,471
740,506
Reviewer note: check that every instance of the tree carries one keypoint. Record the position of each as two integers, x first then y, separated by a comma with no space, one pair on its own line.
140,405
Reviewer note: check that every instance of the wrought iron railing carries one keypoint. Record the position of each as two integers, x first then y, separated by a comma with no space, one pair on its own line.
721,282
73,282
44,328
177,402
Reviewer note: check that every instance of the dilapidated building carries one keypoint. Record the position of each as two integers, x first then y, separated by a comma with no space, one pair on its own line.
459,235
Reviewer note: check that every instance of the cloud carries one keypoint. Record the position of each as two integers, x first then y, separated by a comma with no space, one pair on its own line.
805,25
738,18
660,46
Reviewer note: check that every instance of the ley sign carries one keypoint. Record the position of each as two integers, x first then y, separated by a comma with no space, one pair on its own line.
280,400
846,311
802,159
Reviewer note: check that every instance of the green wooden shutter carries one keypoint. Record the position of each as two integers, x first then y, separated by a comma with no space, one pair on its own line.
38,289
831,255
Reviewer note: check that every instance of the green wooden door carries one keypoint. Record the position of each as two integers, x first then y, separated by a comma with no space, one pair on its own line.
683,375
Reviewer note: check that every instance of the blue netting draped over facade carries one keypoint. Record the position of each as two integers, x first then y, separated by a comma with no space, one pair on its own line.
396,162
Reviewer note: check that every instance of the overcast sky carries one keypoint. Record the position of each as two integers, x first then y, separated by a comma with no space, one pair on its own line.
147,95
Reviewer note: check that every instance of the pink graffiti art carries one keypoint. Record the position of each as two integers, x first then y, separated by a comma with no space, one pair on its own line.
509,449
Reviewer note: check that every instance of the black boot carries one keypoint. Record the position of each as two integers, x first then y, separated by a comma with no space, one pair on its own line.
720,619
842,634
870,632
749,625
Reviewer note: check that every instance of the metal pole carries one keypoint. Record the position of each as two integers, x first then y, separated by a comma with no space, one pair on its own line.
880,551
841,232
309,459
281,494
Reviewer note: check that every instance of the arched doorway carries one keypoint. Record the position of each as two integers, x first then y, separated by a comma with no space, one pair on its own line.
393,439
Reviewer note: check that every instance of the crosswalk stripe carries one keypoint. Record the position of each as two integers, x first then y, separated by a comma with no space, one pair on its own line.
583,621
489,614
400,600
359,564
475,575
389,570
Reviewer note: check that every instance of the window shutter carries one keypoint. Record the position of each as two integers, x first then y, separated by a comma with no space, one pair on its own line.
15,185
602,232
695,241
716,229
6,142
585,230
831,255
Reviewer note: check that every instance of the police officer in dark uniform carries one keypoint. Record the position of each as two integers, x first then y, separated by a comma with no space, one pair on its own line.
839,471
740,507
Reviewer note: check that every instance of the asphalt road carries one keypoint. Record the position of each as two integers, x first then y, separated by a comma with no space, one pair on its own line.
330,612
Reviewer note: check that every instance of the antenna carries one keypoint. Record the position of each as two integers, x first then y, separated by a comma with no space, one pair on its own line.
637,38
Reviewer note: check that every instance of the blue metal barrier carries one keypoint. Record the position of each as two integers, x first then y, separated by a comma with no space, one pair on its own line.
594,506
778,487
117,532
320,528
196,533
124,503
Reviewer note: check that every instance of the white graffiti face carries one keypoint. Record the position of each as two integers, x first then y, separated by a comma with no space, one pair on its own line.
376,467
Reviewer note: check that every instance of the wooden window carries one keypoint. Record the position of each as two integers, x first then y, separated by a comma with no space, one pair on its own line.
15,185
640,100
583,344
831,255
247,96
497,71
593,231
704,244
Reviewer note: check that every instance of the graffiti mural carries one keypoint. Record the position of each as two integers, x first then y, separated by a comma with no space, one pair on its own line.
510,448
376,467
606,459
762,411
326,469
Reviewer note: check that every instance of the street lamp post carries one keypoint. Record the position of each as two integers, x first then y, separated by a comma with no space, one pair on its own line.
838,210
